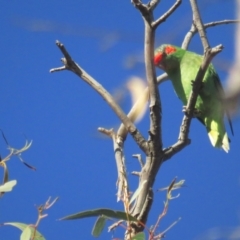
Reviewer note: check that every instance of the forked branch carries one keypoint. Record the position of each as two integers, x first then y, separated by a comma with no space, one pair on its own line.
164,17
69,64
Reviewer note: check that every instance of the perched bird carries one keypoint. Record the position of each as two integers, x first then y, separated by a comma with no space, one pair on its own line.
182,67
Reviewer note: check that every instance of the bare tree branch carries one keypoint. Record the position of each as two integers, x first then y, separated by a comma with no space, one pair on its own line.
189,36
155,104
72,66
167,14
162,78
140,6
107,132
199,25
122,183
139,158
193,30
153,4
217,23
154,98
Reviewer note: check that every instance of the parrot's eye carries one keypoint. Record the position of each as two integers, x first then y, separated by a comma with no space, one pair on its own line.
170,49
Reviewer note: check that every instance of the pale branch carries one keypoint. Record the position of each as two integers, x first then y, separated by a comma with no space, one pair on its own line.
183,140
164,17
199,25
154,99
122,132
144,201
122,183
147,196
139,158
189,36
162,78
193,30
153,4
155,135
217,23
107,132
136,173
58,69
140,6
72,66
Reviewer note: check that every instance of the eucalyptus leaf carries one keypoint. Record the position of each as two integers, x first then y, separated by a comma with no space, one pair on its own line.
26,234
23,226
101,211
99,226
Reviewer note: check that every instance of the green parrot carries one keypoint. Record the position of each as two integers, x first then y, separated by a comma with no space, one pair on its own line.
182,67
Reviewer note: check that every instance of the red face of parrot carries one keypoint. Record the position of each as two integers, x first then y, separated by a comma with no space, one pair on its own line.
161,53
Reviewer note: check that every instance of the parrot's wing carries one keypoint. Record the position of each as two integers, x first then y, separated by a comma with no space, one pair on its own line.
221,94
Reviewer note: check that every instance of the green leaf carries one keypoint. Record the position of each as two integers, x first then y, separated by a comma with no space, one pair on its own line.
23,226
139,236
99,226
26,234
7,187
135,195
101,211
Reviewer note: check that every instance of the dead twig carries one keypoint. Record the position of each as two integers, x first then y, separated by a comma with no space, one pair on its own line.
199,25
193,30
69,64
164,17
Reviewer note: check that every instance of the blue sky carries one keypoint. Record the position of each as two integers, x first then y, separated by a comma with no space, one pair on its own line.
61,114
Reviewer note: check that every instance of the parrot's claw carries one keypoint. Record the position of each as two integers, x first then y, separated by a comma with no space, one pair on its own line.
196,112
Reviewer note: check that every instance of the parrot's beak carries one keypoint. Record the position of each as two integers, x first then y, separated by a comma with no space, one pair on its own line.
158,59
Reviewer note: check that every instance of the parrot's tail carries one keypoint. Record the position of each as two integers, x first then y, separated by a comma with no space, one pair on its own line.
225,143
218,141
